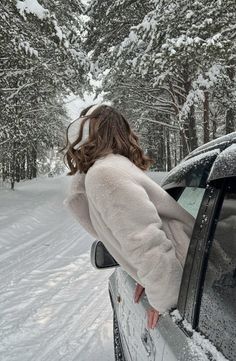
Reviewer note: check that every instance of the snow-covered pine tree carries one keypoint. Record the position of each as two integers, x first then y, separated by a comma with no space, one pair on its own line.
189,48
108,25
176,66
42,62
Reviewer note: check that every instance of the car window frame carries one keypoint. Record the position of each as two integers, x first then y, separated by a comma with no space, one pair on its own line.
188,299
190,281
197,257
226,185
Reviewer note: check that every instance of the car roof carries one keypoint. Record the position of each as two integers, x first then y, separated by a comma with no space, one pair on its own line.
220,143
224,165
219,155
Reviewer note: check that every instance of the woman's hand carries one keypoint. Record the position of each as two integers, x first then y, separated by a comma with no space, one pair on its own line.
138,292
153,317
152,313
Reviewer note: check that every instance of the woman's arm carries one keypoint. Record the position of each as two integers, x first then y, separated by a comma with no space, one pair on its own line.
77,203
128,212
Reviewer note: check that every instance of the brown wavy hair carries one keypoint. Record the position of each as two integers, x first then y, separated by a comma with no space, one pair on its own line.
109,132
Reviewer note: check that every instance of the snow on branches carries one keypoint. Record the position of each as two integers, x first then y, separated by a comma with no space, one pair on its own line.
32,7
175,61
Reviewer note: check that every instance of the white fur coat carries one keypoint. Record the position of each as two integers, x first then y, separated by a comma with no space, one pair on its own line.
140,224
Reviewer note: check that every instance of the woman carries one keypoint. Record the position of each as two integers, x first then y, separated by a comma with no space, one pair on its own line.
140,224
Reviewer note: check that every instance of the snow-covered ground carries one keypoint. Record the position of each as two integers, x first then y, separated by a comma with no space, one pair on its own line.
53,304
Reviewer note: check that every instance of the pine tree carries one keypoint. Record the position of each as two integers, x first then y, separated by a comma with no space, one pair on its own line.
177,65
42,62
189,49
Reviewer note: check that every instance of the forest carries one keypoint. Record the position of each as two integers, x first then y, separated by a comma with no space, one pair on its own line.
169,66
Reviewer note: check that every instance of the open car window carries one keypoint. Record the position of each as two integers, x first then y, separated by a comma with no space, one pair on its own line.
186,183
191,199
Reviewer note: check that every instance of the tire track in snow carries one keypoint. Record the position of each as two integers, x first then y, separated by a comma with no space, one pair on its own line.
29,257
88,313
52,302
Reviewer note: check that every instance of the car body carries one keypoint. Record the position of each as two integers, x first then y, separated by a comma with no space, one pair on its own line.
203,326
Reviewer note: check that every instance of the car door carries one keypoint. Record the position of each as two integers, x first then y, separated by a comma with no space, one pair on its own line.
192,344
207,301
140,343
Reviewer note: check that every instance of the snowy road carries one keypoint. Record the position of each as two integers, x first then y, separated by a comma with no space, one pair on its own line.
53,304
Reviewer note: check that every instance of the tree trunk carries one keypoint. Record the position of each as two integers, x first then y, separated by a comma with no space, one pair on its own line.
17,162
12,184
190,122
162,153
22,167
168,153
28,164
13,165
230,113
193,141
175,149
181,146
206,126
214,127
185,139
229,121
34,161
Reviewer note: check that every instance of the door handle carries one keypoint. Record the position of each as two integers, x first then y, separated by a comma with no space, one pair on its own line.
147,342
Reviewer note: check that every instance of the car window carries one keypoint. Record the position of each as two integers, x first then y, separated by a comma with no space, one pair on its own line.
191,199
192,172
217,318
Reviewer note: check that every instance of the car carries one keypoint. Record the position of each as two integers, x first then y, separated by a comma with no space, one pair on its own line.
203,325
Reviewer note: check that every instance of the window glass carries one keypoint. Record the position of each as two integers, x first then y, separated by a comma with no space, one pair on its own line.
218,306
192,172
191,199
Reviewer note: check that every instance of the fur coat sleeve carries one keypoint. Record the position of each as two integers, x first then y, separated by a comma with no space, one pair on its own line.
127,211
77,203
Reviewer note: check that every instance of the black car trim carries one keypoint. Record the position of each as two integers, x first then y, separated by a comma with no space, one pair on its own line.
206,250
203,246
182,299
200,236
187,294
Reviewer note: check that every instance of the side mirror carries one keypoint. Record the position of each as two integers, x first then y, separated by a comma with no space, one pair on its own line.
100,257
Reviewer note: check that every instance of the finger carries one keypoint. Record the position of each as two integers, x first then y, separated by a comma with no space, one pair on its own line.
155,319
150,317
138,292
